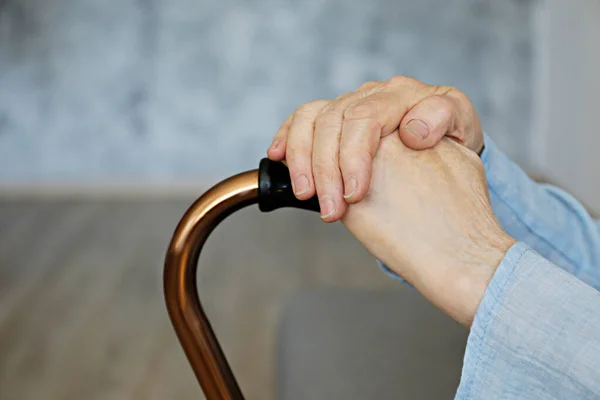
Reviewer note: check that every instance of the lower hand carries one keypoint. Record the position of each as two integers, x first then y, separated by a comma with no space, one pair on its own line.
428,217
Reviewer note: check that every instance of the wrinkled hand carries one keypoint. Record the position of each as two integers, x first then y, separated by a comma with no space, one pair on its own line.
329,145
428,217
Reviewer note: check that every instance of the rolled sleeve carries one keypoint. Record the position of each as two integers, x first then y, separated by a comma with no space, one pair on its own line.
536,334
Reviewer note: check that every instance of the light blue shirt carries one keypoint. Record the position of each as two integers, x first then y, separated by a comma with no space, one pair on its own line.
536,334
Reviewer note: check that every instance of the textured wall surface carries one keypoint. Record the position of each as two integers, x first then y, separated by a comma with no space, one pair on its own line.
167,90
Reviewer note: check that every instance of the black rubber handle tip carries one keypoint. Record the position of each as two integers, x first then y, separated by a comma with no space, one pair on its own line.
275,189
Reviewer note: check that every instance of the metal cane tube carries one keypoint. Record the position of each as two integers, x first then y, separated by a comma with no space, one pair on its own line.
183,304
270,187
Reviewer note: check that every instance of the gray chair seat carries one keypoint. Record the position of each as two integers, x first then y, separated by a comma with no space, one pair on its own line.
353,344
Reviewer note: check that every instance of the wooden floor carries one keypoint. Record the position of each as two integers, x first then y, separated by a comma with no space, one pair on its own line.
81,308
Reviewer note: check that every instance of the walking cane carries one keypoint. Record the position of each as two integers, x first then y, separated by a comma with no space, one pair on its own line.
270,187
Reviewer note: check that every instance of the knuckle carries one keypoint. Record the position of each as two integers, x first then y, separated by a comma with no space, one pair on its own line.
324,166
317,105
444,106
298,155
343,96
456,94
281,136
368,85
328,118
402,81
355,162
305,110
362,110
311,109
348,152
288,120
282,132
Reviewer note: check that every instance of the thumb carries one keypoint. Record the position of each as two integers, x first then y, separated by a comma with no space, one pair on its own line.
427,122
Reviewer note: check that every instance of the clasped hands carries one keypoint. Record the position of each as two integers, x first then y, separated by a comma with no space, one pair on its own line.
397,162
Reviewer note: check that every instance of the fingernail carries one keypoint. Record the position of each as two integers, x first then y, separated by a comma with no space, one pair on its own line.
418,128
274,144
327,207
351,188
301,185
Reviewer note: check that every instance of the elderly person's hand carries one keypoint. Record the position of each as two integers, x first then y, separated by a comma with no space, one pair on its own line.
428,217
329,145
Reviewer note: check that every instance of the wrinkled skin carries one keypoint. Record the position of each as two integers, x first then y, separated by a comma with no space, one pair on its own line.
428,217
398,163
329,145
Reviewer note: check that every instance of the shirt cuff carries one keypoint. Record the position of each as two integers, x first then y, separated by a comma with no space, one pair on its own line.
474,359
497,287
535,333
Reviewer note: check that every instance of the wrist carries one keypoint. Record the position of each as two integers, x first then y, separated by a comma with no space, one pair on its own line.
481,264
456,282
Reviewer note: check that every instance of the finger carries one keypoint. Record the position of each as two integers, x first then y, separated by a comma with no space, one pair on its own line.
330,124
325,161
389,104
367,120
276,151
357,151
367,86
428,122
358,145
300,148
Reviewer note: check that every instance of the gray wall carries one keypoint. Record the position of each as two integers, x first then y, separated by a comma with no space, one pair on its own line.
565,139
180,90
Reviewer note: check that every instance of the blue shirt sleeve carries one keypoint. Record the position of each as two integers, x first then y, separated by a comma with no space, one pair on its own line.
548,219
536,334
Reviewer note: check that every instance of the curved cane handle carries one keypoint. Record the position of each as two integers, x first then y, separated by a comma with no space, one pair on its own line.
270,187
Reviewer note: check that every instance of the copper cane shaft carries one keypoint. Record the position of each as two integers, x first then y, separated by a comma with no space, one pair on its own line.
183,304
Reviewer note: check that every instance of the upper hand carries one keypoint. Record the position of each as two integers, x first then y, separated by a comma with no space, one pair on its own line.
329,146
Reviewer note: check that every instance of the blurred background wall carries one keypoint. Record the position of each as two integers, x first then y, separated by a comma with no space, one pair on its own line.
156,91
103,97
565,144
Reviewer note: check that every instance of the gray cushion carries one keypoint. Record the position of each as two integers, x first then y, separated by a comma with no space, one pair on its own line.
353,344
